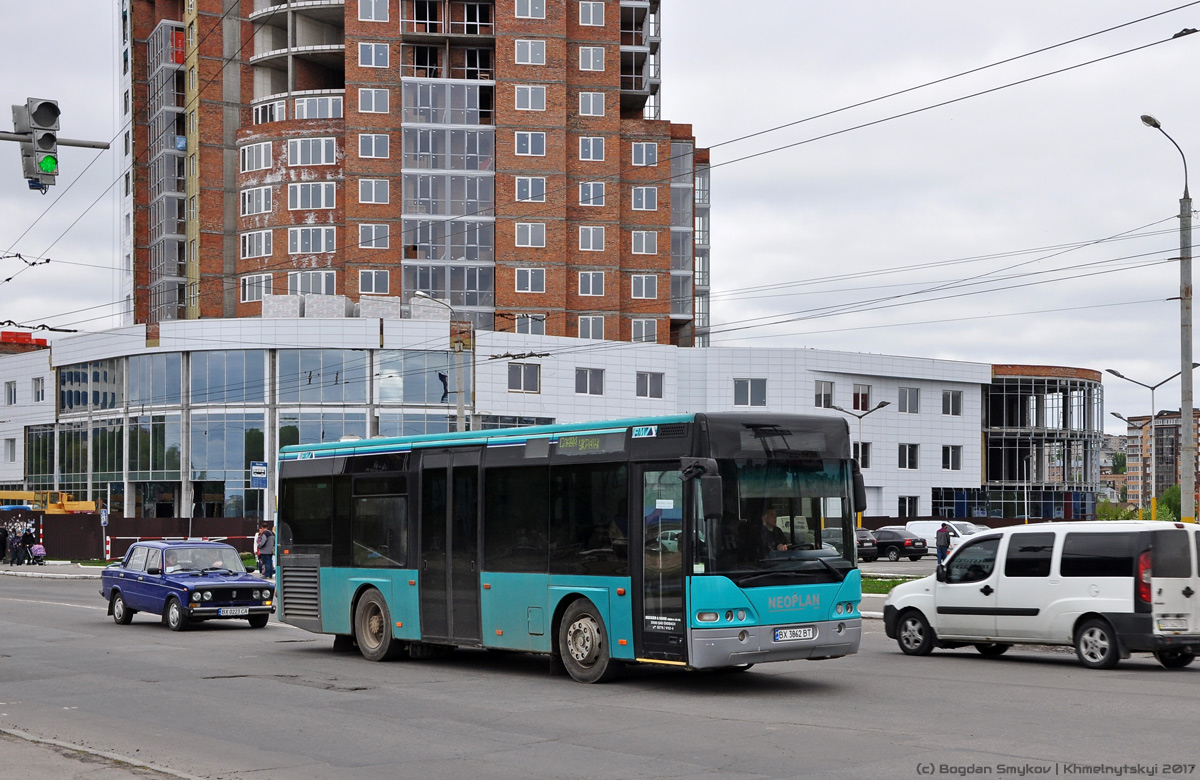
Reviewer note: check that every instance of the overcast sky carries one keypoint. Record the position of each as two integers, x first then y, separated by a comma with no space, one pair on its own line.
975,230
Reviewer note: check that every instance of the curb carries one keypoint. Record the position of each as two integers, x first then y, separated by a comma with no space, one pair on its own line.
132,763
14,571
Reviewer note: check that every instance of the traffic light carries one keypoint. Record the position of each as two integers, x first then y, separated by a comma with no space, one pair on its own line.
39,155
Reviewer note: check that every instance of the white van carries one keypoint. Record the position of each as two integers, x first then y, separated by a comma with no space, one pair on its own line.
927,530
1107,588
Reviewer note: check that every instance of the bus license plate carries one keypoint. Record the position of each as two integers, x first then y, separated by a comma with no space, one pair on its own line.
233,611
795,634
1172,625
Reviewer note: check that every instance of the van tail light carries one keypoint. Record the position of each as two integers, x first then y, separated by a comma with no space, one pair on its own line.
1143,577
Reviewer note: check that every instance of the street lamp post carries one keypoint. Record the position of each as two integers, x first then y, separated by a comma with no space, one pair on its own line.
1142,488
1187,468
1153,433
460,421
860,416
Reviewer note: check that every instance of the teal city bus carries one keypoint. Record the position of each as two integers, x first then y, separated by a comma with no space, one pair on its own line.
705,541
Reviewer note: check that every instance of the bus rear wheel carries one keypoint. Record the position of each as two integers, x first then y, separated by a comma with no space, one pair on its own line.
583,644
373,628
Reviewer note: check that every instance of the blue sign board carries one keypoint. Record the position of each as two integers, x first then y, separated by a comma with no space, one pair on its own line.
258,474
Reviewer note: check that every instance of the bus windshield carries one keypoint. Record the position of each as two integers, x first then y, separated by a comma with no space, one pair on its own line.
788,517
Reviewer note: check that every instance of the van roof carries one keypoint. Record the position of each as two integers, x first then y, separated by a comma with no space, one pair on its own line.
1091,525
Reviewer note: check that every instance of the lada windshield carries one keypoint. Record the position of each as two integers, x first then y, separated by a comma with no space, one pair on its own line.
780,516
197,559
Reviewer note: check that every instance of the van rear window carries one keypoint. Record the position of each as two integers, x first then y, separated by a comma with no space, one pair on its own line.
1098,555
1172,553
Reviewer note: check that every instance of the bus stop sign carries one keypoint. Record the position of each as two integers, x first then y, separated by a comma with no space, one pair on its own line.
258,474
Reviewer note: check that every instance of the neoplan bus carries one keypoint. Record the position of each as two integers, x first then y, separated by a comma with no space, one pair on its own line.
596,544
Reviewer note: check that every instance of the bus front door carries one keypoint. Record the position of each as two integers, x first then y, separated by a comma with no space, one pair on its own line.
662,630
450,548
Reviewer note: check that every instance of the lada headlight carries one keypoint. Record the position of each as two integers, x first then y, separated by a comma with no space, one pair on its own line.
208,595
196,595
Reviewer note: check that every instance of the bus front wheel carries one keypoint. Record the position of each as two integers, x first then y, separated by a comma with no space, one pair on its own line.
373,628
583,644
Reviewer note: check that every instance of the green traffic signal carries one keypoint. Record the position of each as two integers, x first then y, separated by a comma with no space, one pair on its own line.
48,163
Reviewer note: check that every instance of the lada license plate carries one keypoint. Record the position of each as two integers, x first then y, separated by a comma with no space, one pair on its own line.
233,611
795,634
1172,624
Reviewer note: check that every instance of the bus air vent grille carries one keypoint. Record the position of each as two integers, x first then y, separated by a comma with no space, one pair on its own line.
301,592
673,431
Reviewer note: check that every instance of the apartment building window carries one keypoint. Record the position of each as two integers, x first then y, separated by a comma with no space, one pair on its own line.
591,58
311,240
256,201
374,191
910,400
645,331
256,244
524,378
373,145
591,14
952,403
824,395
589,381
127,142
531,9
591,238
530,53
531,144
373,55
591,148
311,151
531,234
591,104
311,282
373,10
591,327
645,154
10,393
530,98
275,111
591,283
192,206
192,84
952,457
531,280
649,384
372,101
749,392
909,454
193,293
373,282
534,324
645,242
10,450
645,286
862,454
591,193
645,198
255,286
256,157
39,389
373,236
862,398
909,506
531,189
126,103
318,108
311,195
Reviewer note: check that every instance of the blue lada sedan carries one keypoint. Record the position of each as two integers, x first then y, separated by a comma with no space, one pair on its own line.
185,582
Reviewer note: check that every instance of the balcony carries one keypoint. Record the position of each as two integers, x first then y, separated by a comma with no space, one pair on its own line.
422,19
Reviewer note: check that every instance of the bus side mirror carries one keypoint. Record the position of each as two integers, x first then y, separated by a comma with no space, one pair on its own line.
710,494
860,487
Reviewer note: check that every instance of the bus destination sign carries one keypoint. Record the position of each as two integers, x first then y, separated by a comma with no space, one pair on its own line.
591,444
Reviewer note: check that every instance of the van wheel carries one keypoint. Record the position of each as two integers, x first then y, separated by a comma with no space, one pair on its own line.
1096,645
1175,659
583,644
373,629
893,554
914,634
992,649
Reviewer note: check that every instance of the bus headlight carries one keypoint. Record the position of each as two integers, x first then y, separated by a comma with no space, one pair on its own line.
707,617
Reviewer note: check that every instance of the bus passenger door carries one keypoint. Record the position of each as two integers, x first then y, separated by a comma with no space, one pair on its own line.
450,548
662,628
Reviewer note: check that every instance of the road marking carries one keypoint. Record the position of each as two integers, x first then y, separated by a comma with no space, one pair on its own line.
56,604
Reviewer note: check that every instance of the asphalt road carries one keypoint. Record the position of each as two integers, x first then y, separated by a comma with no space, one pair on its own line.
226,701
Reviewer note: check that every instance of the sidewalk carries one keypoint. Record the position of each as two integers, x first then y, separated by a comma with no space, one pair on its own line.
26,757
53,570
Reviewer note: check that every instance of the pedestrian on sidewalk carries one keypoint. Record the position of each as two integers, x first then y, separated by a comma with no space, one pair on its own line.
28,540
264,543
10,546
3,541
942,539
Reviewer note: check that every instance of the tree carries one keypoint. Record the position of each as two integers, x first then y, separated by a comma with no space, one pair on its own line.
1124,493
1118,463
1109,511
1169,500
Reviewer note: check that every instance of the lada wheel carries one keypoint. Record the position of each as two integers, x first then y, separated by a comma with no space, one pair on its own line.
121,612
583,644
176,616
1096,645
914,634
373,628
258,621
1175,659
